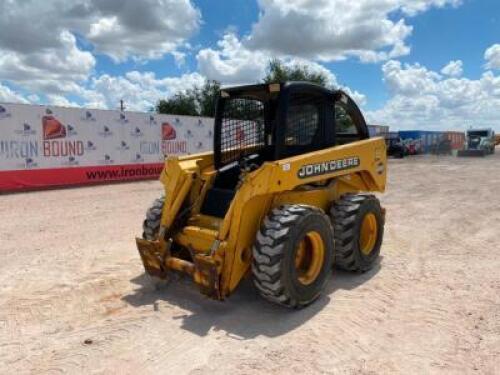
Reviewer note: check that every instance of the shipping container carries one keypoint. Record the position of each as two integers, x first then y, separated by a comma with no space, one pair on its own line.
457,139
421,141
378,130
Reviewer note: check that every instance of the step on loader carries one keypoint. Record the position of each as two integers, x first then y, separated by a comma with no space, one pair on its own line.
283,196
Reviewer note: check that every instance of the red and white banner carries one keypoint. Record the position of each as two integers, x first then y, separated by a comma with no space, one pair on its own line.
43,146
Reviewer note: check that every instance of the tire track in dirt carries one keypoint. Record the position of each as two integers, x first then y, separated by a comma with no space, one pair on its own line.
432,306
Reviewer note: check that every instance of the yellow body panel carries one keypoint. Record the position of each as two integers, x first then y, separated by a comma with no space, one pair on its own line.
221,248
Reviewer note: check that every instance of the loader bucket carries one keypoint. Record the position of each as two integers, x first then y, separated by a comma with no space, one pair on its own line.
158,262
151,257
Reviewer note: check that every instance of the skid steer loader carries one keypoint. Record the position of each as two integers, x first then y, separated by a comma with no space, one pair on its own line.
280,198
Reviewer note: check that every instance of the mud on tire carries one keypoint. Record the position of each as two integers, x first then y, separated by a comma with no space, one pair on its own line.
347,215
275,252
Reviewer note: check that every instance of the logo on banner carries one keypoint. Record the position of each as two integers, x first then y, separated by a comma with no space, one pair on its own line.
3,112
123,146
18,149
188,134
88,116
122,119
152,120
169,144
137,158
149,148
167,132
210,134
106,132
26,130
200,123
106,160
29,163
54,143
71,130
90,146
71,161
199,145
137,132
52,127
177,122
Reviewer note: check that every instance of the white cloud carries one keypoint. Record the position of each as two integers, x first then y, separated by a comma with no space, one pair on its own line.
142,29
453,69
232,63
423,99
61,101
492,57
7,95
330,30
39,50
139,90
412,7
314,31
235,64
51,70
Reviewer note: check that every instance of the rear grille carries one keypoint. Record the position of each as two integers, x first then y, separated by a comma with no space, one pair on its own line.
242,129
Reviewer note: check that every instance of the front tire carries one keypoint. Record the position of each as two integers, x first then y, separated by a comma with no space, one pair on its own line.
151,228
359,230
292,255
151,225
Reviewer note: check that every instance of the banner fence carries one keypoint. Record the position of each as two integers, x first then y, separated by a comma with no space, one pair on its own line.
44,146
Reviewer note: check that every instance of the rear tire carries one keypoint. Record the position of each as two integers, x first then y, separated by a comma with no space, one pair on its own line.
151,225
292,255
359,230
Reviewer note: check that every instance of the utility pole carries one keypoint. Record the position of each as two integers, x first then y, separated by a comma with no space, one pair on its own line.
122,105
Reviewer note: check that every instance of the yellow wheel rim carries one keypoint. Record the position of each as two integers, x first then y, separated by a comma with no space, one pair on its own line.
368,233
309,257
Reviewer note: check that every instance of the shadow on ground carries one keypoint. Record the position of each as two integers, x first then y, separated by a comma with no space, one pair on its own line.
244,315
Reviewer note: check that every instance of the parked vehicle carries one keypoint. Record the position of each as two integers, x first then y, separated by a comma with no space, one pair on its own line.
395,146
479,142
413,146
266,201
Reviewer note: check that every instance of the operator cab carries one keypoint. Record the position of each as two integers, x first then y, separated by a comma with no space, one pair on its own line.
268,122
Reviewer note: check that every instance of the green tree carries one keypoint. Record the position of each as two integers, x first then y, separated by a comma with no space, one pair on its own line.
198,101
278,72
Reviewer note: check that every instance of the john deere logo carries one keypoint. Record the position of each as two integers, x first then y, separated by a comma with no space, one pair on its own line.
326,167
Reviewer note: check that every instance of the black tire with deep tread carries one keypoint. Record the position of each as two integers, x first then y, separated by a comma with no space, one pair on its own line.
347,214
151,224
273,267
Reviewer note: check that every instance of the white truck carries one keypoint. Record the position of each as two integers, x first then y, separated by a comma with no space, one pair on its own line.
478,142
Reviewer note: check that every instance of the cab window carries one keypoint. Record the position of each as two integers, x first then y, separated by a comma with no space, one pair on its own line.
346,130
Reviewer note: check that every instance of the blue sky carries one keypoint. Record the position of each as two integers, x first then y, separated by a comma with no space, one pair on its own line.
389,54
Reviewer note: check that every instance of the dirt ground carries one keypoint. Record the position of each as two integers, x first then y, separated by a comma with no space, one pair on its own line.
70,274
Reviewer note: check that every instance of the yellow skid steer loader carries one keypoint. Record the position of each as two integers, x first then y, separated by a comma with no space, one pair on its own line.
281,197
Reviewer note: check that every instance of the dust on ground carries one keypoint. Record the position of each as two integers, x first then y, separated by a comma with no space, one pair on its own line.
73,298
